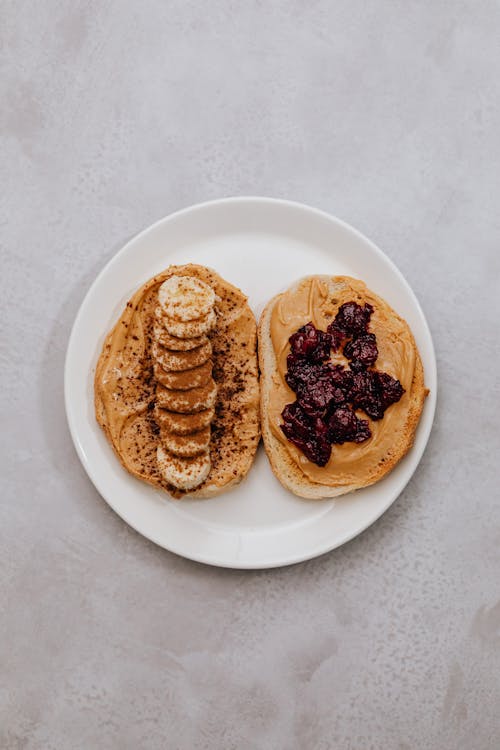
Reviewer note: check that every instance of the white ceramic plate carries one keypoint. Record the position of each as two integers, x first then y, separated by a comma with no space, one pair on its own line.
261,245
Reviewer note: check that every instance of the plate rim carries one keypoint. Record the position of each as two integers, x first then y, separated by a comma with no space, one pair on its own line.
320,549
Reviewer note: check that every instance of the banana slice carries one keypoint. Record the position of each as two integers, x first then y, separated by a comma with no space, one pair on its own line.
186,446
187,402
172,342
183,473
185,379
186,329
185,298
172,361
183,424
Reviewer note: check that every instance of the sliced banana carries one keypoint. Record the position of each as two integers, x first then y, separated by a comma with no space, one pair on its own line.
186,446
184,379
172,361
185,390
185,298
161,335
183,424
187,402
186,329
183,473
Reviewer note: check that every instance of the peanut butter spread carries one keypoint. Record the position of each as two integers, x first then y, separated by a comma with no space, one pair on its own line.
312,300
125,384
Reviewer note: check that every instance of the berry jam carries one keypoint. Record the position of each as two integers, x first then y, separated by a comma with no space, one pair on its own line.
328,395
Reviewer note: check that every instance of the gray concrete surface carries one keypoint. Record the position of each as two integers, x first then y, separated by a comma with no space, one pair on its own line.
114,114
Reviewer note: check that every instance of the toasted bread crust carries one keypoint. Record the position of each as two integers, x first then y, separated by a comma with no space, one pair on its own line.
284,467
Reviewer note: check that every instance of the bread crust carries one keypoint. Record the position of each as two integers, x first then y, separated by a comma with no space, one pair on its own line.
283,465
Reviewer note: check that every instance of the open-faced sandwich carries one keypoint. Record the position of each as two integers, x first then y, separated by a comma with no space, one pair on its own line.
342,386
176,386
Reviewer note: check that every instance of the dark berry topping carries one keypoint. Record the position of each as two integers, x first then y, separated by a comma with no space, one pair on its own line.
309,434
328,394
338,336
311,343
362,351
374,392
318,386
389,388
344,426
352,319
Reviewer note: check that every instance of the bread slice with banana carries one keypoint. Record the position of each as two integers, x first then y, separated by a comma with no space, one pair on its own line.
176,385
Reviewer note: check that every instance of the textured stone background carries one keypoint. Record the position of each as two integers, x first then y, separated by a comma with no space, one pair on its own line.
114,114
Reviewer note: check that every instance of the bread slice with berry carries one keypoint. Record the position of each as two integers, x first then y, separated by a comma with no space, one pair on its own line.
342,386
